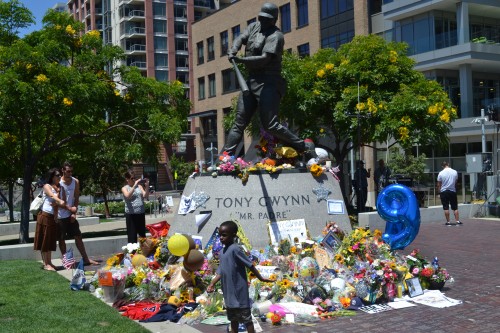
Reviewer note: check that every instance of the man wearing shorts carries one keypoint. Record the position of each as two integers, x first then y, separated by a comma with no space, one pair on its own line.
67,222
447,182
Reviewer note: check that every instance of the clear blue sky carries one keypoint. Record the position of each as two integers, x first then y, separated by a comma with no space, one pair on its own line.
38,8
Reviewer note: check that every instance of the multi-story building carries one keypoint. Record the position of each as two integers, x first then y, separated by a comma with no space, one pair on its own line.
454,42
155,36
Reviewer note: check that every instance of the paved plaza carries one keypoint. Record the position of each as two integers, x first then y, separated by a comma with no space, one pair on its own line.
470,253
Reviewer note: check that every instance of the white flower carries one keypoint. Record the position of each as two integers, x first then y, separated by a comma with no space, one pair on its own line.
130,247
380,272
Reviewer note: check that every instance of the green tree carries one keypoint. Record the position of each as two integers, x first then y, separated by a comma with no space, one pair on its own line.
13,16
59,90
367,85
406,164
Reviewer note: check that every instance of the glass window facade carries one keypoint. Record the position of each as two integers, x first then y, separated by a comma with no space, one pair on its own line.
303,50
212,91
235,31
427,32
229,82
328,8
286,18
200,53
160,43
160,26
161,60
201,88
210,49
345,5
302,13
161,76
159,9
224,42
334,41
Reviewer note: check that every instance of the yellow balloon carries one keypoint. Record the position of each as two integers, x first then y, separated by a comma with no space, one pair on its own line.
138,260
178,245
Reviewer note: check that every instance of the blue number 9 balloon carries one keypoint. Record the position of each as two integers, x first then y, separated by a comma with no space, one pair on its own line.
398,205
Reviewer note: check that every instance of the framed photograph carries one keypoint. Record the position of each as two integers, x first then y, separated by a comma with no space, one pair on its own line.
335,206
331,242
414,287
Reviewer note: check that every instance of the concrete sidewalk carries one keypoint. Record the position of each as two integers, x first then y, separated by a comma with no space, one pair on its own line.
469,252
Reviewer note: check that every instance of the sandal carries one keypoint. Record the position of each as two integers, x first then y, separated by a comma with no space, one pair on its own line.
49,268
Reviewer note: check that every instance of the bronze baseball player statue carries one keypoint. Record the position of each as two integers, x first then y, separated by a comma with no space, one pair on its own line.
264,44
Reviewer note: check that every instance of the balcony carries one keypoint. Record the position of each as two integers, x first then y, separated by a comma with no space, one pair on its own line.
131,2
202,4
139,64
134,32
134,15
136,49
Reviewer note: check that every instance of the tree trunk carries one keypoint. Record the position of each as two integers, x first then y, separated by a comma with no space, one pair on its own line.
106,205
25,204
10,203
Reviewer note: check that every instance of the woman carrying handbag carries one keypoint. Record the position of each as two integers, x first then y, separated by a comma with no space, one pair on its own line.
46,233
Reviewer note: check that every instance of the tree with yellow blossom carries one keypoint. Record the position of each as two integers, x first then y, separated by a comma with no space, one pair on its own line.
372,78
62,95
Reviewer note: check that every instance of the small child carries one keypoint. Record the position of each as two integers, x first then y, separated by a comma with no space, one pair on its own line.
232,271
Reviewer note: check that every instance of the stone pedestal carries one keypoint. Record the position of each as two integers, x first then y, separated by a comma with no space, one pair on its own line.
265,198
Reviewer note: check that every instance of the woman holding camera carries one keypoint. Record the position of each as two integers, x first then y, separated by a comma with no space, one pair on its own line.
134,194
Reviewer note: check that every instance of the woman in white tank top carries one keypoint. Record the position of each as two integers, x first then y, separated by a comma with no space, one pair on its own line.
46,233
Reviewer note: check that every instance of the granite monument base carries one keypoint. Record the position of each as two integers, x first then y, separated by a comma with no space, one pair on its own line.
287,199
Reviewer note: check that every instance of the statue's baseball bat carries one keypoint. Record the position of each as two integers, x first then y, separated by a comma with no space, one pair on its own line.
241,79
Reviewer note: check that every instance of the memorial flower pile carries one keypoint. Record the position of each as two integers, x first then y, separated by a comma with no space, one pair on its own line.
320,282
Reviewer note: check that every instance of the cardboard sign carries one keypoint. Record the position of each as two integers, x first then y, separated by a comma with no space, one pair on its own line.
288,230
169,200
105,278
322,257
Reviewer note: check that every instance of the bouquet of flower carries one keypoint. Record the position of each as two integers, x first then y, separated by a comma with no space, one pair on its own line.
316,170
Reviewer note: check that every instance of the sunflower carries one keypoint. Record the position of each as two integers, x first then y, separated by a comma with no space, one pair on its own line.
285,283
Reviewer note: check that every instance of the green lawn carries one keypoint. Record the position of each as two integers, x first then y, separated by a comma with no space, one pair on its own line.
34,300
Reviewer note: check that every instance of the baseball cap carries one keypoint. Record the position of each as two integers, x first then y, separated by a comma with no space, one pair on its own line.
356,303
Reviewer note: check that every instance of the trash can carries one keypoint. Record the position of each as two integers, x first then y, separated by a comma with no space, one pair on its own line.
88,211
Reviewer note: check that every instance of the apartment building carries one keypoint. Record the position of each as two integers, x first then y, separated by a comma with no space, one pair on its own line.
155,36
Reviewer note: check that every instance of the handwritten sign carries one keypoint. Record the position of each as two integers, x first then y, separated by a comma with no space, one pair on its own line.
322,257
289,229
266,271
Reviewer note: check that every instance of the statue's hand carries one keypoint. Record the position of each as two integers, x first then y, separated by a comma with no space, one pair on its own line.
231,55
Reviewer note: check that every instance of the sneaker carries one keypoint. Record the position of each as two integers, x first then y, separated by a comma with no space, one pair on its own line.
241,328
459,223
448,224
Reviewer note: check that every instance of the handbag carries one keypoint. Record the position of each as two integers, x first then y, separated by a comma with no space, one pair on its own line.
36,204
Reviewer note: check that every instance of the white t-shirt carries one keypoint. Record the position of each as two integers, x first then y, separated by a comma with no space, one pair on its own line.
69,190
448,178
